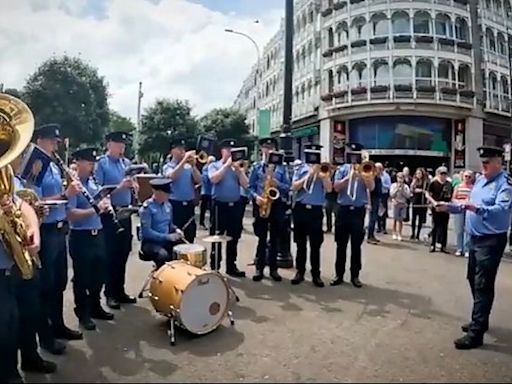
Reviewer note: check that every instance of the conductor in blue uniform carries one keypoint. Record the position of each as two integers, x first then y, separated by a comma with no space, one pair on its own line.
353,193
311,187
185,176
488,215
227,177
110,170
158,233
87,245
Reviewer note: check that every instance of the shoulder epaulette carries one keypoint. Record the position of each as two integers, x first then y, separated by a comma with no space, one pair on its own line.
146,203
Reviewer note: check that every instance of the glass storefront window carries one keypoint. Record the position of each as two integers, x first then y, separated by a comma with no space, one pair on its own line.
403,132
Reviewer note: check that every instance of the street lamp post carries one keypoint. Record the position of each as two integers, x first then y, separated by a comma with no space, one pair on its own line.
285,259
228,30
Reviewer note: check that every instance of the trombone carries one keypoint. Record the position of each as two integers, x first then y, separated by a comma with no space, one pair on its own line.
201,158
322,170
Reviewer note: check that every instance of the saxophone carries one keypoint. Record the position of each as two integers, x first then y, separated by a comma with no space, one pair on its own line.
270,193
16,129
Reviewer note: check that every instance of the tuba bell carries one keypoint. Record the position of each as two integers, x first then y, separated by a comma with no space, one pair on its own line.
16,129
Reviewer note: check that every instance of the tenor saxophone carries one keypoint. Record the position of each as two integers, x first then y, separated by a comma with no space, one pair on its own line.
270,193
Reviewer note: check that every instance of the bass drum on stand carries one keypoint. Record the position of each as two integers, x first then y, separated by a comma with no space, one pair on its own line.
191,298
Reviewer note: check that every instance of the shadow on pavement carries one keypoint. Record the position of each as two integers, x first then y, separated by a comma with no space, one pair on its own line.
499,339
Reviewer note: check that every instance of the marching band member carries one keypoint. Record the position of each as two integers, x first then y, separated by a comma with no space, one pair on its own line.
184,176
352,199
53,253
206,193
110,170
87,245
226,177
158,233
274,222
308,213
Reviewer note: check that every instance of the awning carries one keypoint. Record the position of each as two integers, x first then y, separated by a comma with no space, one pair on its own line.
310,130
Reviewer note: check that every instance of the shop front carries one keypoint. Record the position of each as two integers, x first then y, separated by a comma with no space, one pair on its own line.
398,141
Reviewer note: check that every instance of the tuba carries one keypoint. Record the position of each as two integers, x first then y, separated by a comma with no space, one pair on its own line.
16,129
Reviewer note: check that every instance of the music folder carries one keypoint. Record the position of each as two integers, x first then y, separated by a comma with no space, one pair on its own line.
34,165
104,192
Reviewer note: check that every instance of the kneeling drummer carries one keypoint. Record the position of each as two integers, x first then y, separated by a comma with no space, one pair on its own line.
158,233
87,245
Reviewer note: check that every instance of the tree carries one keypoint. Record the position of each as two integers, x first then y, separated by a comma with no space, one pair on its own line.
228,123
162,121
13,92
67,91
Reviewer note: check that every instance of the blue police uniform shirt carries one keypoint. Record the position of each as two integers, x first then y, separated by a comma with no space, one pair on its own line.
19,183
156,221
110,171
258,176
317,195
356,188
52,185
227,190
206,184
493,201
244,192
183,185
80,202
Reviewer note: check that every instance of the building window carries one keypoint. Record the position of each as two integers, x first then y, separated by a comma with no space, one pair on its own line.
422,22
443,25
400,23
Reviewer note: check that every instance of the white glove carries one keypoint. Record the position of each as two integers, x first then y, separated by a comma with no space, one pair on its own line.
175,236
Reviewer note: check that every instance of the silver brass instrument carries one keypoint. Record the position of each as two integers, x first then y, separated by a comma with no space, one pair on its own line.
16,129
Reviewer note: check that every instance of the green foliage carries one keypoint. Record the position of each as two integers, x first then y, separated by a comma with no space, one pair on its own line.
162,121
67,91
120,123
228,123
13,92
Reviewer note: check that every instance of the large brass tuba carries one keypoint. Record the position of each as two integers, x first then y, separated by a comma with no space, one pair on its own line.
16,129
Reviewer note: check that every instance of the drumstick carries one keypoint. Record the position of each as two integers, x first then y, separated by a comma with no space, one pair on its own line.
185,227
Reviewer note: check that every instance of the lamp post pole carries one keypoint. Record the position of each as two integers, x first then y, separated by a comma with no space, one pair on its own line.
136,140
258,63
285,259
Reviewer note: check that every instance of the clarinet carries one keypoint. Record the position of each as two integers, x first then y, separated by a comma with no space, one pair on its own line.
86,194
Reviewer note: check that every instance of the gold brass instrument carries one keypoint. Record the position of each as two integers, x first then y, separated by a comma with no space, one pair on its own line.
201,158
32,199
326,169
270,193
16,129
368,169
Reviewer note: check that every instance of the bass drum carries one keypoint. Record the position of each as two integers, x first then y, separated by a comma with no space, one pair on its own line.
197,300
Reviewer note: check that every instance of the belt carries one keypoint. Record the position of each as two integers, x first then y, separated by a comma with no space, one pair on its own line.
483,237
5,272
308,206
92,232
56,225
184,203
350,207
228,203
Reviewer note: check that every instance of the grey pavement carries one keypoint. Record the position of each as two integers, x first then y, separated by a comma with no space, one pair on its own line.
399,327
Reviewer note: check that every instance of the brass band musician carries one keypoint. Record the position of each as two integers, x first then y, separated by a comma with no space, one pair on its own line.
352,186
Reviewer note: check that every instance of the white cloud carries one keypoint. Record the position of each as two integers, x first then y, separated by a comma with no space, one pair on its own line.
176,48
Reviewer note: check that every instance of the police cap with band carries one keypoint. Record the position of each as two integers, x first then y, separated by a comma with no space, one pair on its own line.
488,152
227,143
313,147
87,154
268,141
354,147
177,142
118,137
161,184
47,131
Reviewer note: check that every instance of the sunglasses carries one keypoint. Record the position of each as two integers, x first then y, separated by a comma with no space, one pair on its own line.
443,173
467,176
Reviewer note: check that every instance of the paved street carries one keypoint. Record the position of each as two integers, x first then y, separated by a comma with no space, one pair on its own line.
399,327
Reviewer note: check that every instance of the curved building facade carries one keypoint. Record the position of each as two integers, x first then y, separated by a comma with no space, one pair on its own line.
415,81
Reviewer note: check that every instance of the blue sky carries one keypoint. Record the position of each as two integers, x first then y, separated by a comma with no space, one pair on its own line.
242,7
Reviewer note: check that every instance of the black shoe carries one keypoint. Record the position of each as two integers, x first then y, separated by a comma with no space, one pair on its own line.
126,299
235,272
469,342
55,347
87,324
412,237
372,240
275,275
100,314
113,303
65,333
317,282
443,250
258,276
38,365
336,281
356,282
298,278
432,249
465,327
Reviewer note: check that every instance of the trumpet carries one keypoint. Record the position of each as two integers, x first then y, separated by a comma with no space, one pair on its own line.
201,158
322,170
367,169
